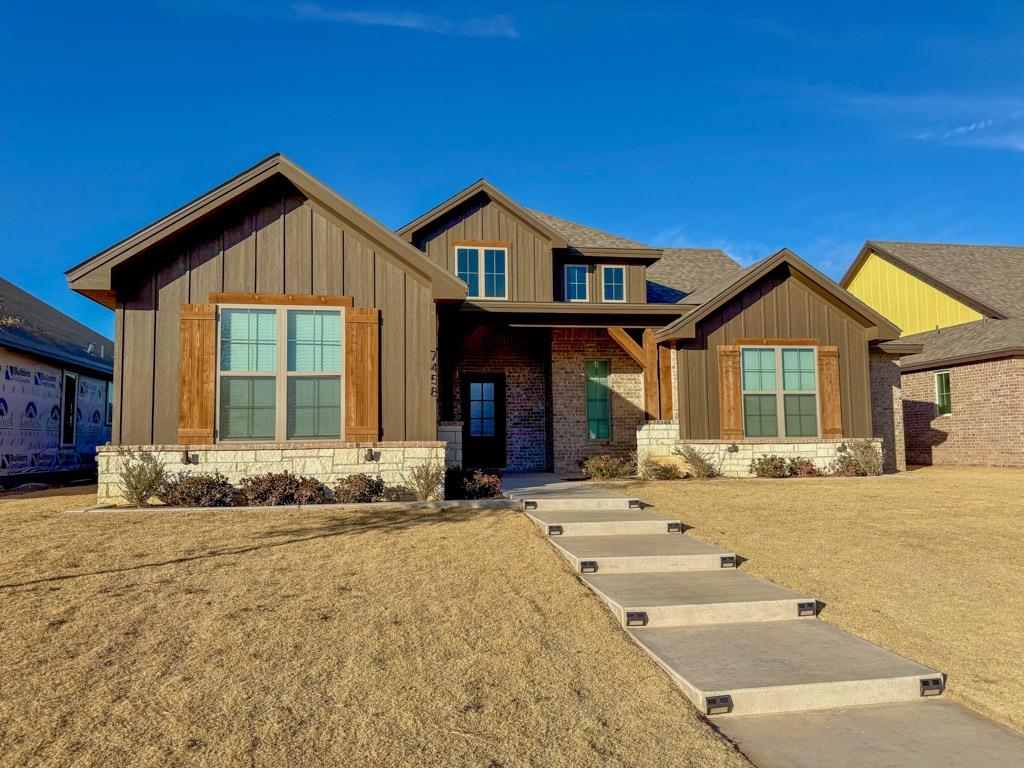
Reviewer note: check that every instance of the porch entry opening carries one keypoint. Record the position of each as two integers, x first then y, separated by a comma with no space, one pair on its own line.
483,420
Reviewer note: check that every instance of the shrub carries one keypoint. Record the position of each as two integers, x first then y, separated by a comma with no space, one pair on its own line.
769,465
425,481
197,490
801,467
607,467
649,468
867,456
309,490
360,488
845,465
461,483
277,488
702,463
142,476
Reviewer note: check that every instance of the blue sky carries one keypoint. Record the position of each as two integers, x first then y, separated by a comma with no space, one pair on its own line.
742,126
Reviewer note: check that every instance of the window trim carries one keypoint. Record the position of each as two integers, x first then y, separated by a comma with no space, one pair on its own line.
949,393
65,376
481,269
565,284
280,381
608,398
780,393
622,268
108,405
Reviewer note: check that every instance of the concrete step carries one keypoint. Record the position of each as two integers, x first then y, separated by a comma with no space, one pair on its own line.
641,553
601,522
536,503
691,598
932,733
781,666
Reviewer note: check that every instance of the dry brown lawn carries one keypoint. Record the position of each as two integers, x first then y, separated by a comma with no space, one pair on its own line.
929,563
319,639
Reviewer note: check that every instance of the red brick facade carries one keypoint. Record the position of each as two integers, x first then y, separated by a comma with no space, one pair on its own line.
986,426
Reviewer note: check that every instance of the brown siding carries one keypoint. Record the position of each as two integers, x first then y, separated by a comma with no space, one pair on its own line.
269,241
530,271
780,306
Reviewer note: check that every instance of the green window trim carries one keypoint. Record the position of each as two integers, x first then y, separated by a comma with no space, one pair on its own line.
599,421
943,393
780,391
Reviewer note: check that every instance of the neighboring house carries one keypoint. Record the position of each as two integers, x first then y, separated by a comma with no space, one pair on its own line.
963,393
55,394
270,324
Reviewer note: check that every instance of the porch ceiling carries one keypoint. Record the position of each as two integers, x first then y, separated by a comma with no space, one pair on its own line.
573,315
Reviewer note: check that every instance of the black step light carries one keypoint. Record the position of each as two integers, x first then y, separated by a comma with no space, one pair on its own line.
806,609
555,530
728,561
636,619
718,705
675,527
588,566
931,686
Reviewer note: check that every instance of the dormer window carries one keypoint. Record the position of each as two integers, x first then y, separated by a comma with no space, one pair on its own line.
613,283
483,270
576,282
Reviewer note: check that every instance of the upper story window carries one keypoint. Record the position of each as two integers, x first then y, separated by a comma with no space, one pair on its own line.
279,374
613,283
775,405
943,393
576,280
483,270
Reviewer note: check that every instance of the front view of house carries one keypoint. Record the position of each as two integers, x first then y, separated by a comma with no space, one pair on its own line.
270,325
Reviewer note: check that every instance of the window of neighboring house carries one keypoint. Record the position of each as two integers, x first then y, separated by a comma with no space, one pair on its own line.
280,374
68,408
483,270
109,419
576,282
942,393
613,281
775,405
598,400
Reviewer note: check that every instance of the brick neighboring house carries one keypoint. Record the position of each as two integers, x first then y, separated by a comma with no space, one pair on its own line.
271,324
963,393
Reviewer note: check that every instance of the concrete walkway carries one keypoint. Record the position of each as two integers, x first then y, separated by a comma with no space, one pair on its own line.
789,690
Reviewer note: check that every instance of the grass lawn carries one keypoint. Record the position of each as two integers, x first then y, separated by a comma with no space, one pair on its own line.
929,563
326,639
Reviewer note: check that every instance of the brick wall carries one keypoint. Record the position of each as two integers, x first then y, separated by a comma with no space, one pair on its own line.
570,349
986,426
887,409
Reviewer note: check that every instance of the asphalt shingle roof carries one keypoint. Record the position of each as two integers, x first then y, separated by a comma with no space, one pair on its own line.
583,236
31,325
682,271
980,339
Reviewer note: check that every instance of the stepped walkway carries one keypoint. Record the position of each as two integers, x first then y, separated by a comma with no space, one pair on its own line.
790,690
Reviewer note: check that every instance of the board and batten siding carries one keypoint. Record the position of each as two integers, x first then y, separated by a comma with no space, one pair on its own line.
779,306
530,268
274,241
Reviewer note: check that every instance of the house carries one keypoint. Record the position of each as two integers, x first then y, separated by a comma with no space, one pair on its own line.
55,395
964,304
271,324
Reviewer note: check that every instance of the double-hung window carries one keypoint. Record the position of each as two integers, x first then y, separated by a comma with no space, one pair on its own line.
613,283
943,398
483,270
598,400
780,391
576,279
280,373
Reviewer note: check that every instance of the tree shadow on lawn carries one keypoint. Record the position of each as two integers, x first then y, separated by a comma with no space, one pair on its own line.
344,523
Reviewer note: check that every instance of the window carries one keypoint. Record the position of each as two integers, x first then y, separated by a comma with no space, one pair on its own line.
483,269
598,400
110,404
481,409
613,280
942,393
576,282
69,408
257,374
774,405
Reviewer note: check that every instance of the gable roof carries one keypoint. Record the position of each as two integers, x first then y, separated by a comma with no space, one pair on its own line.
31,325
485,187
713,296
682,271
582,236
989,278
969,342
92,277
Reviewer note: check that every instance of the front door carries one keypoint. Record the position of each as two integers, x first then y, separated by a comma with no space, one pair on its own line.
483,420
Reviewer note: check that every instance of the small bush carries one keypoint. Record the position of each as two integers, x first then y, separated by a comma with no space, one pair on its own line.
309,490
462,483
278,488
141,475
702,463
769,465
426,481
607,467
845,465
360,488
801,467
649,468
197,490
867,456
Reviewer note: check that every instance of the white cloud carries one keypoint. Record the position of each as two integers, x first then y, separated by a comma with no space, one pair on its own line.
492,26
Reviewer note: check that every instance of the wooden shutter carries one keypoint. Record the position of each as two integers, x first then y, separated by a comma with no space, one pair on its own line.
196,373
730,393
828,392
362,375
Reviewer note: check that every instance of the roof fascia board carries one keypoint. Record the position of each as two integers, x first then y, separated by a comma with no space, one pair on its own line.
634,254
908,366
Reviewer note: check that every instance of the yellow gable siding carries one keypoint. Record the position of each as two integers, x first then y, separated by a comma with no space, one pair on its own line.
910,303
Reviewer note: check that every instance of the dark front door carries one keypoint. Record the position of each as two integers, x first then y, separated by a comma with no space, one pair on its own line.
483,420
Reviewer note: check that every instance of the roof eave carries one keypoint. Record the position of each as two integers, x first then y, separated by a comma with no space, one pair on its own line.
910,366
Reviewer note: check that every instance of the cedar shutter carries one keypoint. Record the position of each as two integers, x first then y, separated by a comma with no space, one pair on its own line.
730,394
828,392
362,377
196,374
